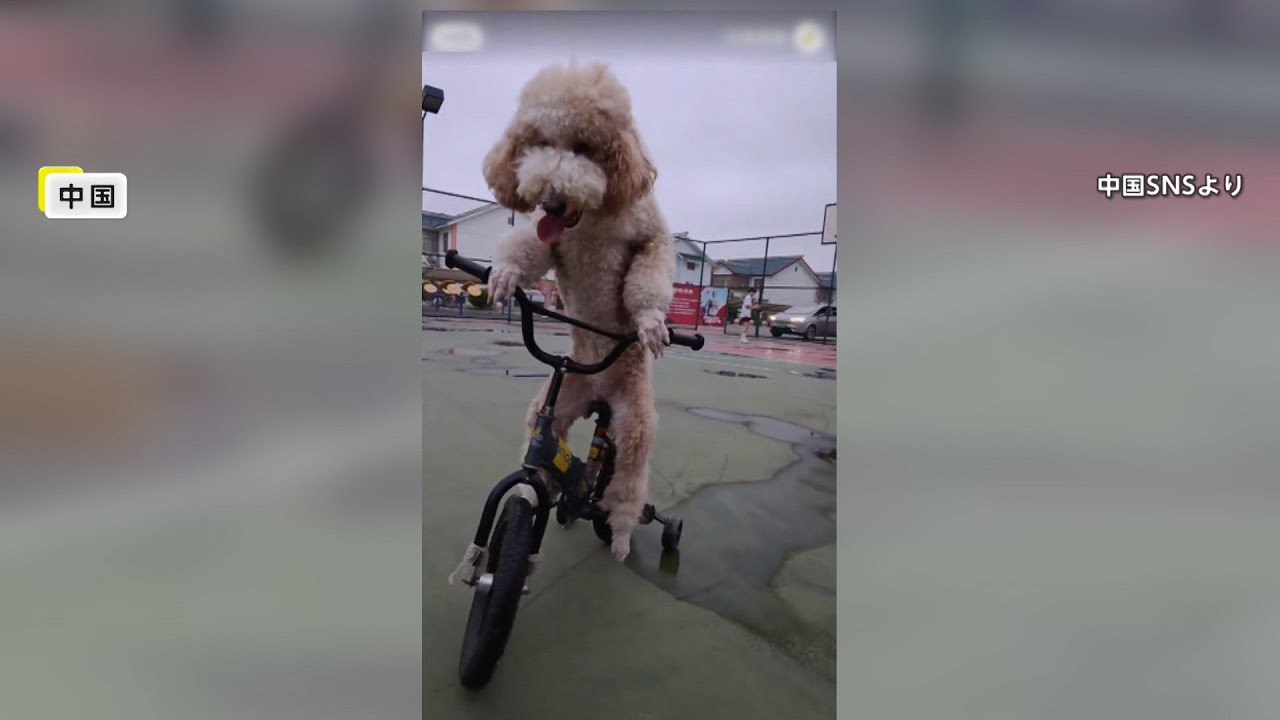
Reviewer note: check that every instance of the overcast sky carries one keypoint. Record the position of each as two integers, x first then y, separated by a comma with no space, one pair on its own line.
742,149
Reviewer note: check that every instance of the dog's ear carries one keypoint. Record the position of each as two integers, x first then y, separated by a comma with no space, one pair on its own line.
500,170
600,72
631,173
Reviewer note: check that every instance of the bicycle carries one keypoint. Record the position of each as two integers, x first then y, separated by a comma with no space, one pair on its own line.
505,551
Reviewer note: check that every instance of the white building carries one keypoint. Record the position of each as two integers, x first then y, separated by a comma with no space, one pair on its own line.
690,262
828,280
433,245
474,233
784,280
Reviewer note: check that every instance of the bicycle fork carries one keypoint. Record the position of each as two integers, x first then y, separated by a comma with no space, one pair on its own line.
471,571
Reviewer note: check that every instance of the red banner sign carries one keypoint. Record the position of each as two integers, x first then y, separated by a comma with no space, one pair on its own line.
684,305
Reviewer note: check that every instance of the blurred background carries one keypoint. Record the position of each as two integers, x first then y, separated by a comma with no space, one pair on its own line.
209,411
1058,414
1057,411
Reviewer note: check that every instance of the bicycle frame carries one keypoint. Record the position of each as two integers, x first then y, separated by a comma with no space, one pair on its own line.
543,443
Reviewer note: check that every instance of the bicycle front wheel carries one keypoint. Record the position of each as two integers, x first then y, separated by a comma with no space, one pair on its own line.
497,594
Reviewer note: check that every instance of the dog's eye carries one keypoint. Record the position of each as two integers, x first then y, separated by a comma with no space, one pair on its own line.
581,149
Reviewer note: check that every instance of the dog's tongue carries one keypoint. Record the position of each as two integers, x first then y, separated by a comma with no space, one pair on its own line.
550,229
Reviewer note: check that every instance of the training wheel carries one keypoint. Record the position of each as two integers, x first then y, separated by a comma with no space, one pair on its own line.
669,564
671,533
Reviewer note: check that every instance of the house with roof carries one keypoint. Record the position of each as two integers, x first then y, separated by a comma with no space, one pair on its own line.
828,282
783,280
691,263
433,245
474,233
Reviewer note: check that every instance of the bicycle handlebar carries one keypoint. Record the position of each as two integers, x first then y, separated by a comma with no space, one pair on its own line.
529,308
455,261
694,341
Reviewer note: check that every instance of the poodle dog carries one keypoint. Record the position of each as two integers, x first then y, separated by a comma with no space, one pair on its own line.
572,158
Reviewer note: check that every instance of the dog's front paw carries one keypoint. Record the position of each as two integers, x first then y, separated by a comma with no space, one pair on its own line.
652,328
621,546
503,281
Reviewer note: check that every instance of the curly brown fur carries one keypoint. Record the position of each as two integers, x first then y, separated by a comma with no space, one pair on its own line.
573,142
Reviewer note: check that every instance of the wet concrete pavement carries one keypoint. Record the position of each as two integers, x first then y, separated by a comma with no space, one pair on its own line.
745,627
752,530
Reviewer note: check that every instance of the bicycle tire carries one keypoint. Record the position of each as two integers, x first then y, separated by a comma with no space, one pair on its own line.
493,614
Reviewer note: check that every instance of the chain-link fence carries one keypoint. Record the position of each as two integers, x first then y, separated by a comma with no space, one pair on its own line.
793,274
792,297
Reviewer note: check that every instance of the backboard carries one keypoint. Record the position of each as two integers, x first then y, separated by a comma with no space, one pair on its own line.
829,225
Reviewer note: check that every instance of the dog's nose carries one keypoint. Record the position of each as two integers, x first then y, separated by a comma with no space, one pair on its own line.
555,208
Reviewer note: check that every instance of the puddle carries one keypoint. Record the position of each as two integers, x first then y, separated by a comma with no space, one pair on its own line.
731,373
738,535
774,429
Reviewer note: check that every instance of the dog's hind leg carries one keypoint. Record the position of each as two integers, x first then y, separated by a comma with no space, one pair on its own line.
634,421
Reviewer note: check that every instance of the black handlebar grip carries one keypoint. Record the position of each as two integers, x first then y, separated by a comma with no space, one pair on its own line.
455,261
694,341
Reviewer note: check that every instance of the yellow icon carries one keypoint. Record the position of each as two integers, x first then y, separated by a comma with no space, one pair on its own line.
564,456
808,37
47,170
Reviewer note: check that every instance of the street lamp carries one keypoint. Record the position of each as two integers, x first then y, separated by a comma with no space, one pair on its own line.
432,99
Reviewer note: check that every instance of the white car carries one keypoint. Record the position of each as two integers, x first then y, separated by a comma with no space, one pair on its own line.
809,321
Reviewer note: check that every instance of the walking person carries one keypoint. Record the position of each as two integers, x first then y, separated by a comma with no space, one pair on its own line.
744,315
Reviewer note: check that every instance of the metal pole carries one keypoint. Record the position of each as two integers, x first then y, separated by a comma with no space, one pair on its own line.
831,288
702,269
763,278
